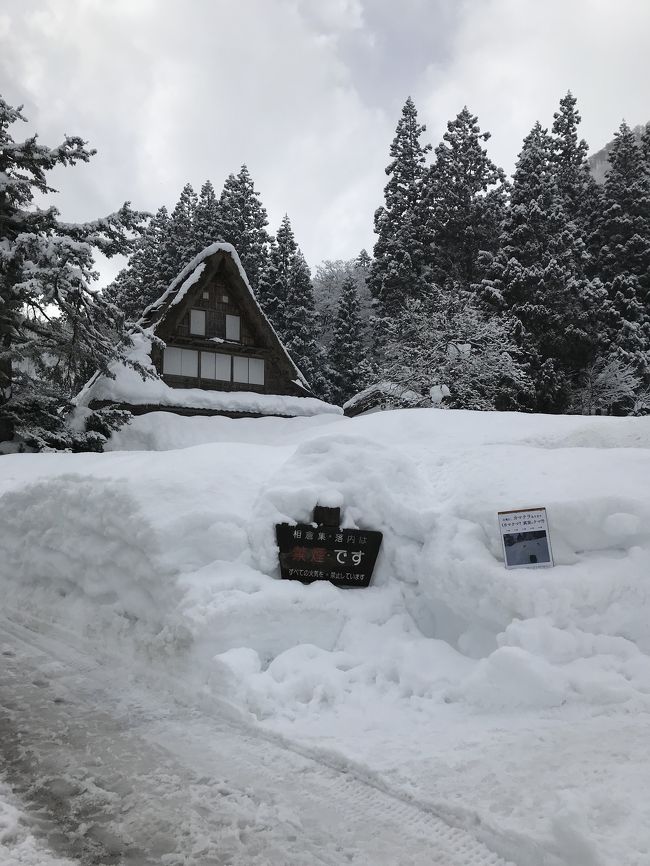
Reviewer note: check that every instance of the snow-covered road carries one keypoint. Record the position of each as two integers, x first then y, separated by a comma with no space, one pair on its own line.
119,771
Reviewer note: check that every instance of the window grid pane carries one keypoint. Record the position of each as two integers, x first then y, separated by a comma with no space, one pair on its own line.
172,362
233,330
208,365
222,365
197,322
240,369
190,363
215,366
255,371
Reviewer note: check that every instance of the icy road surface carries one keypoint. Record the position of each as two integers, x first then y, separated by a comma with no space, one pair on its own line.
119,772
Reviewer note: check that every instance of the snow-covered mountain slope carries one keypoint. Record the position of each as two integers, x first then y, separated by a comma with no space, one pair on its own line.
518,699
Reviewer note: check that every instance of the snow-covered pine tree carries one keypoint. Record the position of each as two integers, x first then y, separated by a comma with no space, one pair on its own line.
463,204
207,219
180,244
243,223
645,146
363,262
54,329
578,190
302,326
347,352
141,282
539,277
398,270
274,282
621,244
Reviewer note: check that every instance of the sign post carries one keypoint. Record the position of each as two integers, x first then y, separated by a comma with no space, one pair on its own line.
323,551
525,538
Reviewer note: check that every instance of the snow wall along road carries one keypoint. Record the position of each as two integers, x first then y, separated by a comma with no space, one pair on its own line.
175,549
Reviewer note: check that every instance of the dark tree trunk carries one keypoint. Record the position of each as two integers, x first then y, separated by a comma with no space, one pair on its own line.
6,379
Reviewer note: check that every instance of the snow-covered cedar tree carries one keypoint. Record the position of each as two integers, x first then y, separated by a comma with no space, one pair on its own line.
448,344
301,327
398,269
539,278
274,280
243,222
577,188
347,351
328,282
179,244
621,244
142,281
463,204
54,329
207,219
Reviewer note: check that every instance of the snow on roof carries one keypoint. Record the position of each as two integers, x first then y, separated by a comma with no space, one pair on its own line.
189,282
190,274
385,389
129,387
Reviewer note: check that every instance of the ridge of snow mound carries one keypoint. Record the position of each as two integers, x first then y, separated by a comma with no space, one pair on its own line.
166,431
385,389
316,645
538,665
81,541
374,486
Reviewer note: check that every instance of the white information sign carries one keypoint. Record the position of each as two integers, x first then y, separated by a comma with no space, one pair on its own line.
525,538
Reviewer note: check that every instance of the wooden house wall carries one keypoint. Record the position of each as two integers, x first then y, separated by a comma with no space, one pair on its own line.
174,330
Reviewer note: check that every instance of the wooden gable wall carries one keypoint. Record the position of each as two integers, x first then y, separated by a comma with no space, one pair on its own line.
220,293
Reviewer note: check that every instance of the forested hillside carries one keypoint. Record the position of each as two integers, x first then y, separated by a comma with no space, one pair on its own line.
529,293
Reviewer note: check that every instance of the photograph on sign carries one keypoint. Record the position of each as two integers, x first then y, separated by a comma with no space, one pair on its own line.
525,538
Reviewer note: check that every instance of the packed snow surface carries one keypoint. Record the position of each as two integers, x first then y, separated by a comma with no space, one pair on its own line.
18,845
519,698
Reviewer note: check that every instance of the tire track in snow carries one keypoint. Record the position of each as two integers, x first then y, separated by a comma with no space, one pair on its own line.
130,779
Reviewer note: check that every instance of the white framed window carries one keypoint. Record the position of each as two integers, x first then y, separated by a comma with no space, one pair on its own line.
225,299
197,322
172,361
240,369
214,365
233,329
206,296
256,371
180,362
249,371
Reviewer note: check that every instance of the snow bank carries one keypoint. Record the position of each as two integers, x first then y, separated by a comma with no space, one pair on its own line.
165,431
188,540
85,545
173,546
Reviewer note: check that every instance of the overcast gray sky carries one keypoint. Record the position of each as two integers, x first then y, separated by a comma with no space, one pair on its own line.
306,92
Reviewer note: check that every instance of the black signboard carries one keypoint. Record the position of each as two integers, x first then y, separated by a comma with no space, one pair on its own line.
309,552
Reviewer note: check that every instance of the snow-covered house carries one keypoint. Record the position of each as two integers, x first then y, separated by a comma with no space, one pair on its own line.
216,353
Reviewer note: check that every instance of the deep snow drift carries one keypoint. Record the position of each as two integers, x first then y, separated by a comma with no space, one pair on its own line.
520,696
